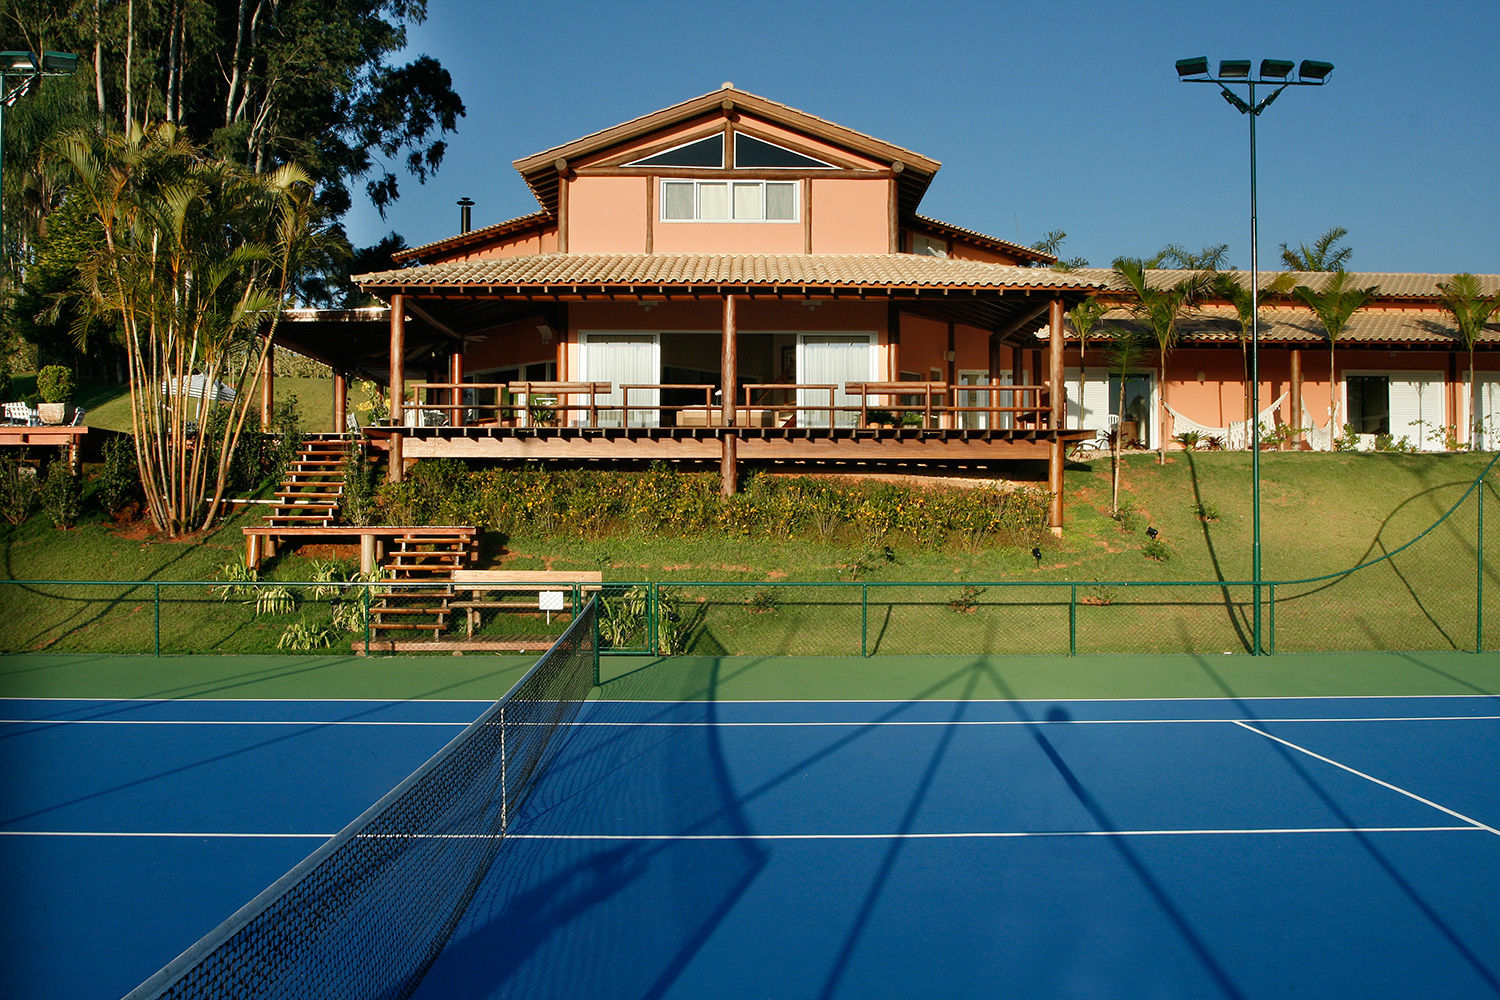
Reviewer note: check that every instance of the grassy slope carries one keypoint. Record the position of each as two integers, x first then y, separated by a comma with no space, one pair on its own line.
108,406
1322,513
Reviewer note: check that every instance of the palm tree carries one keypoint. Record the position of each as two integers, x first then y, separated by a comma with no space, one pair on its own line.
197,258
1128,344
1323,255
1085,315
1334,305
1471,311
1228,286
1160,307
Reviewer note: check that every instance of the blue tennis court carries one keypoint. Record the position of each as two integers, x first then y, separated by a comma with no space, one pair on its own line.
129,829
1269,847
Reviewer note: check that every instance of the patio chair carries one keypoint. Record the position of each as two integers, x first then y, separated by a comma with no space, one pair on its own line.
20,413
78,413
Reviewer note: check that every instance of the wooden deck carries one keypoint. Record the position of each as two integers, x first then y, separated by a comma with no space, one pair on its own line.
705,444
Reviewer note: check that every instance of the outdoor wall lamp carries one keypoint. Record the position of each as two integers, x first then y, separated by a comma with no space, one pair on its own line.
1275,73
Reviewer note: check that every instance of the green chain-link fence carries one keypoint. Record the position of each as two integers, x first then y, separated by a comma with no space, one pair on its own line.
1437,590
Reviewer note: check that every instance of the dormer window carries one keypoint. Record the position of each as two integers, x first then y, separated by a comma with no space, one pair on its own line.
728,201
928,246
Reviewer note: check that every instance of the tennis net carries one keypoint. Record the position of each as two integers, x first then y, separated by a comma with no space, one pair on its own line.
368,912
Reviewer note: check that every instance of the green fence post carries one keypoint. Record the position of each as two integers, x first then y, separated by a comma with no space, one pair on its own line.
596,639
864,619
1271,618
157,602
365,600
1073,619
1479,577
652,611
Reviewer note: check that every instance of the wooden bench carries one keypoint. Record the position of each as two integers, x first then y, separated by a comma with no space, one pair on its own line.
480,582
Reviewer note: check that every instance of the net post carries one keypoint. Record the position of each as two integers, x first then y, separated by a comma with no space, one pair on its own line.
652,612
864,620
156,628
1072,619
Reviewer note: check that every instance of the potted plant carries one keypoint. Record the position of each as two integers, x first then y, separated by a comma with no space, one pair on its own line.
55,384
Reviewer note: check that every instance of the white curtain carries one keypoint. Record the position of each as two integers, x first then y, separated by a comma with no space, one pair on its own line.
832,359
1091,412
1489,409
622,359
1417,407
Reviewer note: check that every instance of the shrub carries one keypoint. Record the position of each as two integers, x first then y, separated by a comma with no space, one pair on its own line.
1348,440
1205,511
1156,549
299,635
18,489
357,505
239,580
120,478
4,379
62,494
275,601
1188,439
55,384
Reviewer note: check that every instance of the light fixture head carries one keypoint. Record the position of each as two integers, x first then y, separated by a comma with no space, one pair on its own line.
1313,71
1196,66
59,63
1234,69
18,62
1235,101
1276,69
1152,532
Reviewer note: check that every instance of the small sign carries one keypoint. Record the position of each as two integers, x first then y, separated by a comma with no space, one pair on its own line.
549,600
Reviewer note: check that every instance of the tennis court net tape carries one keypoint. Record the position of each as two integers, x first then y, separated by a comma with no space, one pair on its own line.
368,912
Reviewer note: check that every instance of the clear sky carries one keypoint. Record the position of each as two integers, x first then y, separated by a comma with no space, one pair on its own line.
1045,115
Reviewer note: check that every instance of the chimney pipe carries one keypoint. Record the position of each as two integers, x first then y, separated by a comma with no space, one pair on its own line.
464,207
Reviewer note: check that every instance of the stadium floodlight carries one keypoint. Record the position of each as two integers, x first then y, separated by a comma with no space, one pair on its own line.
1197,66
19,72
1274,73
1314,72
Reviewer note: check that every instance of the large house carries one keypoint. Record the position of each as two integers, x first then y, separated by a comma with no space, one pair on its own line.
731,280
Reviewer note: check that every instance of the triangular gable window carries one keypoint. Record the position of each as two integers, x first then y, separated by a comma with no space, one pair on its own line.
700,153
752,152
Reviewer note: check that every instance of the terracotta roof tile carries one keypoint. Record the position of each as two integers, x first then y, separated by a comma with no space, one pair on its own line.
1294,325
1390,285
844,270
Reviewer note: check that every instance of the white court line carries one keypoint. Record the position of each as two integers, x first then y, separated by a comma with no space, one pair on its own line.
252,701
1026,722
961,835
1384,784
311,723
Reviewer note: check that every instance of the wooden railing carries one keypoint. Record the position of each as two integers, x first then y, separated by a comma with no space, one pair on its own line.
763,404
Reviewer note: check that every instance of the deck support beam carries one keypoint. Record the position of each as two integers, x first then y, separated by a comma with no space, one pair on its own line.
394,469
729,458
1296,391
456,376
340,402
1059,412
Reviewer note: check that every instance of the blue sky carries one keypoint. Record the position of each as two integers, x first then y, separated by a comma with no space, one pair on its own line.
1045,115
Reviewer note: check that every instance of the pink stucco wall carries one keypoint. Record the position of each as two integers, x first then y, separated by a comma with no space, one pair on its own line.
607,214
728,237
544,241
850,216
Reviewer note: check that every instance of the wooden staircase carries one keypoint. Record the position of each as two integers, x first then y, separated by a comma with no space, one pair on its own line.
309,494
425,559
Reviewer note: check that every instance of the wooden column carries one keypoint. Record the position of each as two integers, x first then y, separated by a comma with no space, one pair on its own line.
729,460
1017,377
1296,393
340,402
267,388
394,470
1059,412
456,375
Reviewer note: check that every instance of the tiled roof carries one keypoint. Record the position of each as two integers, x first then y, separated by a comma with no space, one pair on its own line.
710,270
949,228
492,231
1292,325
1389,285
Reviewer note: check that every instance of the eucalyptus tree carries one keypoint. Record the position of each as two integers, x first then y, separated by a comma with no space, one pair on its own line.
1325,254
1333,306
1159,305
1471,310
195,259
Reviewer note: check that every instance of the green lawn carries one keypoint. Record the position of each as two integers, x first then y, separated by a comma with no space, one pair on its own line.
1322,514
108,405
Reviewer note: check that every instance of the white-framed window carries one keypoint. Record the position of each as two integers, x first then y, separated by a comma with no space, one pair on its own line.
728,201
928,246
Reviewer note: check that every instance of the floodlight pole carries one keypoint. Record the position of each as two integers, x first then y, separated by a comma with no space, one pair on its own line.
1275,74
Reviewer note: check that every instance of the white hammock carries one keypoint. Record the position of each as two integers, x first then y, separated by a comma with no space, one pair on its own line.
1321,438
1234,437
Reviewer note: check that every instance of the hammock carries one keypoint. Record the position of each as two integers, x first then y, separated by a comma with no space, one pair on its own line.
1321,438
1234,437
